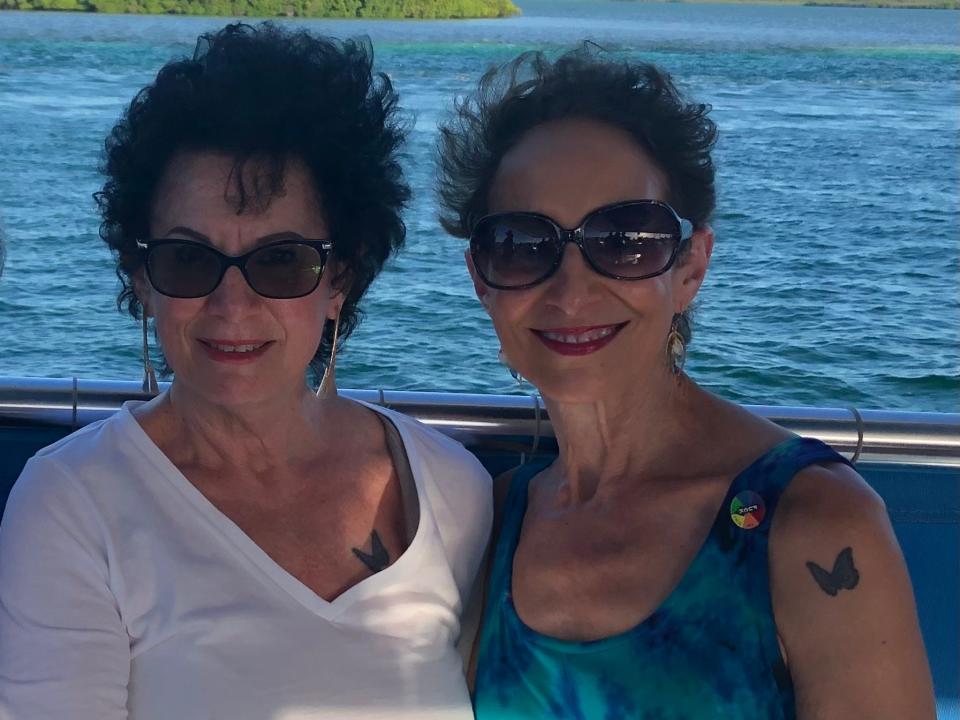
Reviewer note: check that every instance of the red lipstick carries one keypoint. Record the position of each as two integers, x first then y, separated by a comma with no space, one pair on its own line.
579,340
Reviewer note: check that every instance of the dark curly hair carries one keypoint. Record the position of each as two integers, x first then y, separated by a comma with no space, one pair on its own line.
269,95
514,98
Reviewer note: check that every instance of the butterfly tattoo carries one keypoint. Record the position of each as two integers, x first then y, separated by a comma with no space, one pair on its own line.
844,575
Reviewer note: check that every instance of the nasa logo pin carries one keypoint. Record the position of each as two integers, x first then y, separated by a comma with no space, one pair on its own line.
747,510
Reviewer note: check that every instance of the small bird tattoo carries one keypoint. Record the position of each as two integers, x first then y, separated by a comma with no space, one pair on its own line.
378,558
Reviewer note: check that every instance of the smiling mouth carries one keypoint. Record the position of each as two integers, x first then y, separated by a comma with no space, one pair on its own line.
579,340
239,348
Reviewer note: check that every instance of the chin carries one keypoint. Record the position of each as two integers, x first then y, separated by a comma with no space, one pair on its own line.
584,385
232,389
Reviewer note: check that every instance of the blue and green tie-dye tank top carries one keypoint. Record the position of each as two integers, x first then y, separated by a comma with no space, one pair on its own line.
709,651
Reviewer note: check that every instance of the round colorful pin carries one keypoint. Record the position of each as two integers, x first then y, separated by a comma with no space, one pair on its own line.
747,510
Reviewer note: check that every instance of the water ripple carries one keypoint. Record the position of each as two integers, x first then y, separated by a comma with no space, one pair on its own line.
834,276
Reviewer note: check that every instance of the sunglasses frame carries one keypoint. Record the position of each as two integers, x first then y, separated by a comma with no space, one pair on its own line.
322,246
575,236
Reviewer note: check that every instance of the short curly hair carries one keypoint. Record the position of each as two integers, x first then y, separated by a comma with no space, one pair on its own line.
584,83
266,94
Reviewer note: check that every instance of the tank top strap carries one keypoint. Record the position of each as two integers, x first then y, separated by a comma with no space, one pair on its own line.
514,508
755,492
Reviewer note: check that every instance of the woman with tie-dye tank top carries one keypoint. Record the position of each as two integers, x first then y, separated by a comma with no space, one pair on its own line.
681,558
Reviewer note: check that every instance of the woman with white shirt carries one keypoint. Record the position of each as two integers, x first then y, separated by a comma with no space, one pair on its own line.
241,546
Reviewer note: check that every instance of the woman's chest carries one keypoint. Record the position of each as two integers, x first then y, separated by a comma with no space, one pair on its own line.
186,575
596,575
329,541
318,525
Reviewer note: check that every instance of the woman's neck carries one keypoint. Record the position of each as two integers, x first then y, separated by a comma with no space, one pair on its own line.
192,430
630,433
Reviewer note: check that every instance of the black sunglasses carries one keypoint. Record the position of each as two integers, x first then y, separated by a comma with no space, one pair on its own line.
280,270
631,240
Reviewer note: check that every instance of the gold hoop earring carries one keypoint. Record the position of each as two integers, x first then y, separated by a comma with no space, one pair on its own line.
150,385
328,384
676,347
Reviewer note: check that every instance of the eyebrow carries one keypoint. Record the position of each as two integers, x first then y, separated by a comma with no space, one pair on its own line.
193,234
200,237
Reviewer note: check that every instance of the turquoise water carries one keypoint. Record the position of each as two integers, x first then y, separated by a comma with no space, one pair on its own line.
835,274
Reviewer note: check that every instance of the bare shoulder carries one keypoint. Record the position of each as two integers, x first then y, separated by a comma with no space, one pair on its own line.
843,602
730,436
360,434
826,503
830,518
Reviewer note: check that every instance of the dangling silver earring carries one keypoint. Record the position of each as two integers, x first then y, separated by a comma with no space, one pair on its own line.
328,384
676,347
502,357
150,385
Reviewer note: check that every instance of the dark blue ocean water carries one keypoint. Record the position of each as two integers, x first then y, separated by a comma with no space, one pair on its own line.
835,274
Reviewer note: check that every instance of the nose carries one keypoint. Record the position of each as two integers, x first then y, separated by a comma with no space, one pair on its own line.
233,295
574,283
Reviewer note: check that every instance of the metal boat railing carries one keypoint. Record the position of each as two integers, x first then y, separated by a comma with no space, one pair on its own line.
516,422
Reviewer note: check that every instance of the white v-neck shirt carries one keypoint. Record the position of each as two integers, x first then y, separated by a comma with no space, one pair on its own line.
124,593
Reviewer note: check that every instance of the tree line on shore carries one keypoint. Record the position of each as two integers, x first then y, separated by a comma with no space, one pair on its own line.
414,9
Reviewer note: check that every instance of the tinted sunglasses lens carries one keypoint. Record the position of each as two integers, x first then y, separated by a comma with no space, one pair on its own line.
512,251
632,241
286,270
184,270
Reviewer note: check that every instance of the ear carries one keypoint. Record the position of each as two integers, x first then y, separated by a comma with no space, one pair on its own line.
338,297
141,288
691,273
479,286
337,288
